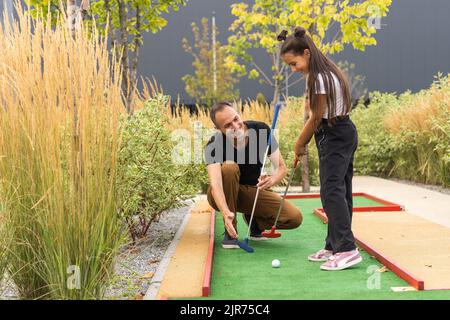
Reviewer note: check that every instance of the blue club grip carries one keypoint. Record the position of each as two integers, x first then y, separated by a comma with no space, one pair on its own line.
274,121
275,114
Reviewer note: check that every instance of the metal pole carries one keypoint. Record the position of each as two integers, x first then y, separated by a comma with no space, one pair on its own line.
9,9
214,53
286,71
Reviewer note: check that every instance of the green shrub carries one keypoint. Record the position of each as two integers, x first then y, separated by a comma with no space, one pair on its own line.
3,242
408,136
375,147
149,181
261,99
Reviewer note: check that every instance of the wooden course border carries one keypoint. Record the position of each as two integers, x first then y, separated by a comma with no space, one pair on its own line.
398,270
206,288
319,212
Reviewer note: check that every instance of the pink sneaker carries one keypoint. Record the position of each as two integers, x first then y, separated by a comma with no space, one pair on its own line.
342,260
321,255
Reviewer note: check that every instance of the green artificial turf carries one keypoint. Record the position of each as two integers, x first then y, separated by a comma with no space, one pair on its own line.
240,275
361,201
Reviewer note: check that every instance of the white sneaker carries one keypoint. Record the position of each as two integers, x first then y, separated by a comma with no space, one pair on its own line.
342,260
320,256
257,238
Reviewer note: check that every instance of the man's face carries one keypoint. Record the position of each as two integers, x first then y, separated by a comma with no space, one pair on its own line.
229,123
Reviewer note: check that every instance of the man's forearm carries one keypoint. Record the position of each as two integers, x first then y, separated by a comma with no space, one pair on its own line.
219,197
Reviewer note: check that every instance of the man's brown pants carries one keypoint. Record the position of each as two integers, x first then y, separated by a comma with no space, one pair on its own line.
240,198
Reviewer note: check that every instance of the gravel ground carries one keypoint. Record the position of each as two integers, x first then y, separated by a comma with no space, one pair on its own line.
8,290
135,264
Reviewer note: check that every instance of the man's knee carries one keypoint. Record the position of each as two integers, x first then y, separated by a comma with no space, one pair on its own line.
230,169
295,218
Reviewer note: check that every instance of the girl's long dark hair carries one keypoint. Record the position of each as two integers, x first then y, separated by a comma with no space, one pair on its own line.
318,64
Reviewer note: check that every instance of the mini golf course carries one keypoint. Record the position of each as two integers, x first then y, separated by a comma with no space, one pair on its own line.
240,275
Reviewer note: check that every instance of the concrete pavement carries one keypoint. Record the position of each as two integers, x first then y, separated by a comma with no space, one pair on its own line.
425,203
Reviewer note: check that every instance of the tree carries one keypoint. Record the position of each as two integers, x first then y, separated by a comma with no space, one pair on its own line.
358,88
124,20
76,10
332,24
128,20
201,84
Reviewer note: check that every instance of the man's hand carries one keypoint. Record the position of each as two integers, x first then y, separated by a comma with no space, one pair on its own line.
265,182
228,220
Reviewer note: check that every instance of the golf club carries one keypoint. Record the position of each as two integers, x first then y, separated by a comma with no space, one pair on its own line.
272,233
244,245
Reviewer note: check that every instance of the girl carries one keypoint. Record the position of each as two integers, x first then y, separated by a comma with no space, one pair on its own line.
328,101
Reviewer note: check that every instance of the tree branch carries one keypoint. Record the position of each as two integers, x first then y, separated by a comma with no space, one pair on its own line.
109,25
295,82
266,78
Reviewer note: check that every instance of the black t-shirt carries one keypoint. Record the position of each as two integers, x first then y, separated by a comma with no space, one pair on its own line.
220,149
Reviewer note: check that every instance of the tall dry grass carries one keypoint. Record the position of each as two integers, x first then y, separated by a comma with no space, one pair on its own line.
182,118
60,104
419,126
3,243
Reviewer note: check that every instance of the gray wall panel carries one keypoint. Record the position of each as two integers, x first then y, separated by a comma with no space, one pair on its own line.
413,45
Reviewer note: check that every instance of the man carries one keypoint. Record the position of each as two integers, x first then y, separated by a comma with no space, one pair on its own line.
234,157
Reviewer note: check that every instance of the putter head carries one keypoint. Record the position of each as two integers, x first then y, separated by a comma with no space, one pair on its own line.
244,245
271,234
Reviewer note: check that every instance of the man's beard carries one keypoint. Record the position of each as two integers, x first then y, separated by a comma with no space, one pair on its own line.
239,137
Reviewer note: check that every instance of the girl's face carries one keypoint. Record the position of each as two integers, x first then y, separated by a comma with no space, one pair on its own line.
298,63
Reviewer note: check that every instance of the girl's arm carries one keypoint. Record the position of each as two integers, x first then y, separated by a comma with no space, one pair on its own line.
307,108
308,129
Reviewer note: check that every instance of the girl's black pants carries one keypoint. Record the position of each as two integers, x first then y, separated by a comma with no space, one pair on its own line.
336,146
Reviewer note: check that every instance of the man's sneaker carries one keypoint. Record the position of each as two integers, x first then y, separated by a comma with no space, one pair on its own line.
321,255
257,237
229,243
255,232
342,260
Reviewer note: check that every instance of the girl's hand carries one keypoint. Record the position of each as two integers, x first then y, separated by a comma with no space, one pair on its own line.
299,150
296,160
265,182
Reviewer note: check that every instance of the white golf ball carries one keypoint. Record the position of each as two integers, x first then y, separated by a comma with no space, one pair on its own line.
275,263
